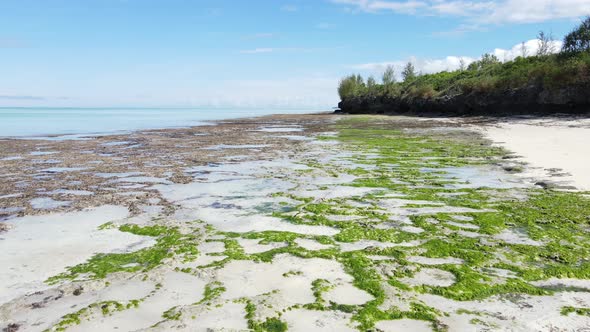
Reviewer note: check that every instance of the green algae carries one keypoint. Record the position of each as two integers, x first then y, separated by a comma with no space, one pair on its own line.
546,215
578,311
212,291
292,273
271,324
471,285
172,314
70,319
272,236
411,165
169,243
106,308
555,217
319,287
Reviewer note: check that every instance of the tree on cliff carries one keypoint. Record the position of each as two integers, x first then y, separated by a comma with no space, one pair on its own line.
485,61
524,52
371,86
579,39
409,73
546,71
389,84
546,45
388,75
462,64
351,86
346,87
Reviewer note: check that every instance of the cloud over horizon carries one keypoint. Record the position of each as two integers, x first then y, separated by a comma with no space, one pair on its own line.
478,12
258,50
451,63
22,97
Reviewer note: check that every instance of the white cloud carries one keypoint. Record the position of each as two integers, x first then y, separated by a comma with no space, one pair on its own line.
519,11
482,12
425,66
531,47
450,63
462,8
289,8
287,49
258,50
325,26
373,6
317,92
260,35
461,29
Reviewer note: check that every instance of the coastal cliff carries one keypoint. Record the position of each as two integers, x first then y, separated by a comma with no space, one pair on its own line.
533,99
551,80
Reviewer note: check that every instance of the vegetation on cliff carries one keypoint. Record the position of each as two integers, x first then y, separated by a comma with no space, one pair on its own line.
546,71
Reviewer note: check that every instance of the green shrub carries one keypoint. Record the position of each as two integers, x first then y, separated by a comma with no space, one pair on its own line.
351,86
486,61
487,75
551,72
424,91
409,73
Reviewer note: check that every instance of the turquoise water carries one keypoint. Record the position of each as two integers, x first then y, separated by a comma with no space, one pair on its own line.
26,122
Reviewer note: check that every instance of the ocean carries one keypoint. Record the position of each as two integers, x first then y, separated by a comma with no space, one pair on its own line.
41,121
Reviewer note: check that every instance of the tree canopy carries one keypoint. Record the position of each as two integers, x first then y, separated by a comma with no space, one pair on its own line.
409,72
579,39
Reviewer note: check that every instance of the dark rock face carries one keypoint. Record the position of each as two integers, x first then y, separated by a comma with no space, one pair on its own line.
531,100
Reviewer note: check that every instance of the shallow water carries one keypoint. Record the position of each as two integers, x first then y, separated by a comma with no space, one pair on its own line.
23,122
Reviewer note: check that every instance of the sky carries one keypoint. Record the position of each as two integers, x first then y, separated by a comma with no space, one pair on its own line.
254,53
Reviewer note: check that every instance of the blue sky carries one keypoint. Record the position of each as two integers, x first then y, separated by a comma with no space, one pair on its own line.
256,53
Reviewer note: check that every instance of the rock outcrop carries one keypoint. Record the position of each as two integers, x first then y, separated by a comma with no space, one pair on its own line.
531,100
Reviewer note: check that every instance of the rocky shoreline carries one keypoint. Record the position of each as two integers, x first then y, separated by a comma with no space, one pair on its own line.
60,175
534,100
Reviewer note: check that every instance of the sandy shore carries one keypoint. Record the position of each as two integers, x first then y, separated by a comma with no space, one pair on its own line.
298,222
555,148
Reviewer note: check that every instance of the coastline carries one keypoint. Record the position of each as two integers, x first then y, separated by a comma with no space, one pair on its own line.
70,171
43,167
58,123
245,222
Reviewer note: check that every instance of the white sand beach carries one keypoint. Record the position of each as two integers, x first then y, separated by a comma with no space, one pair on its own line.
554,148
